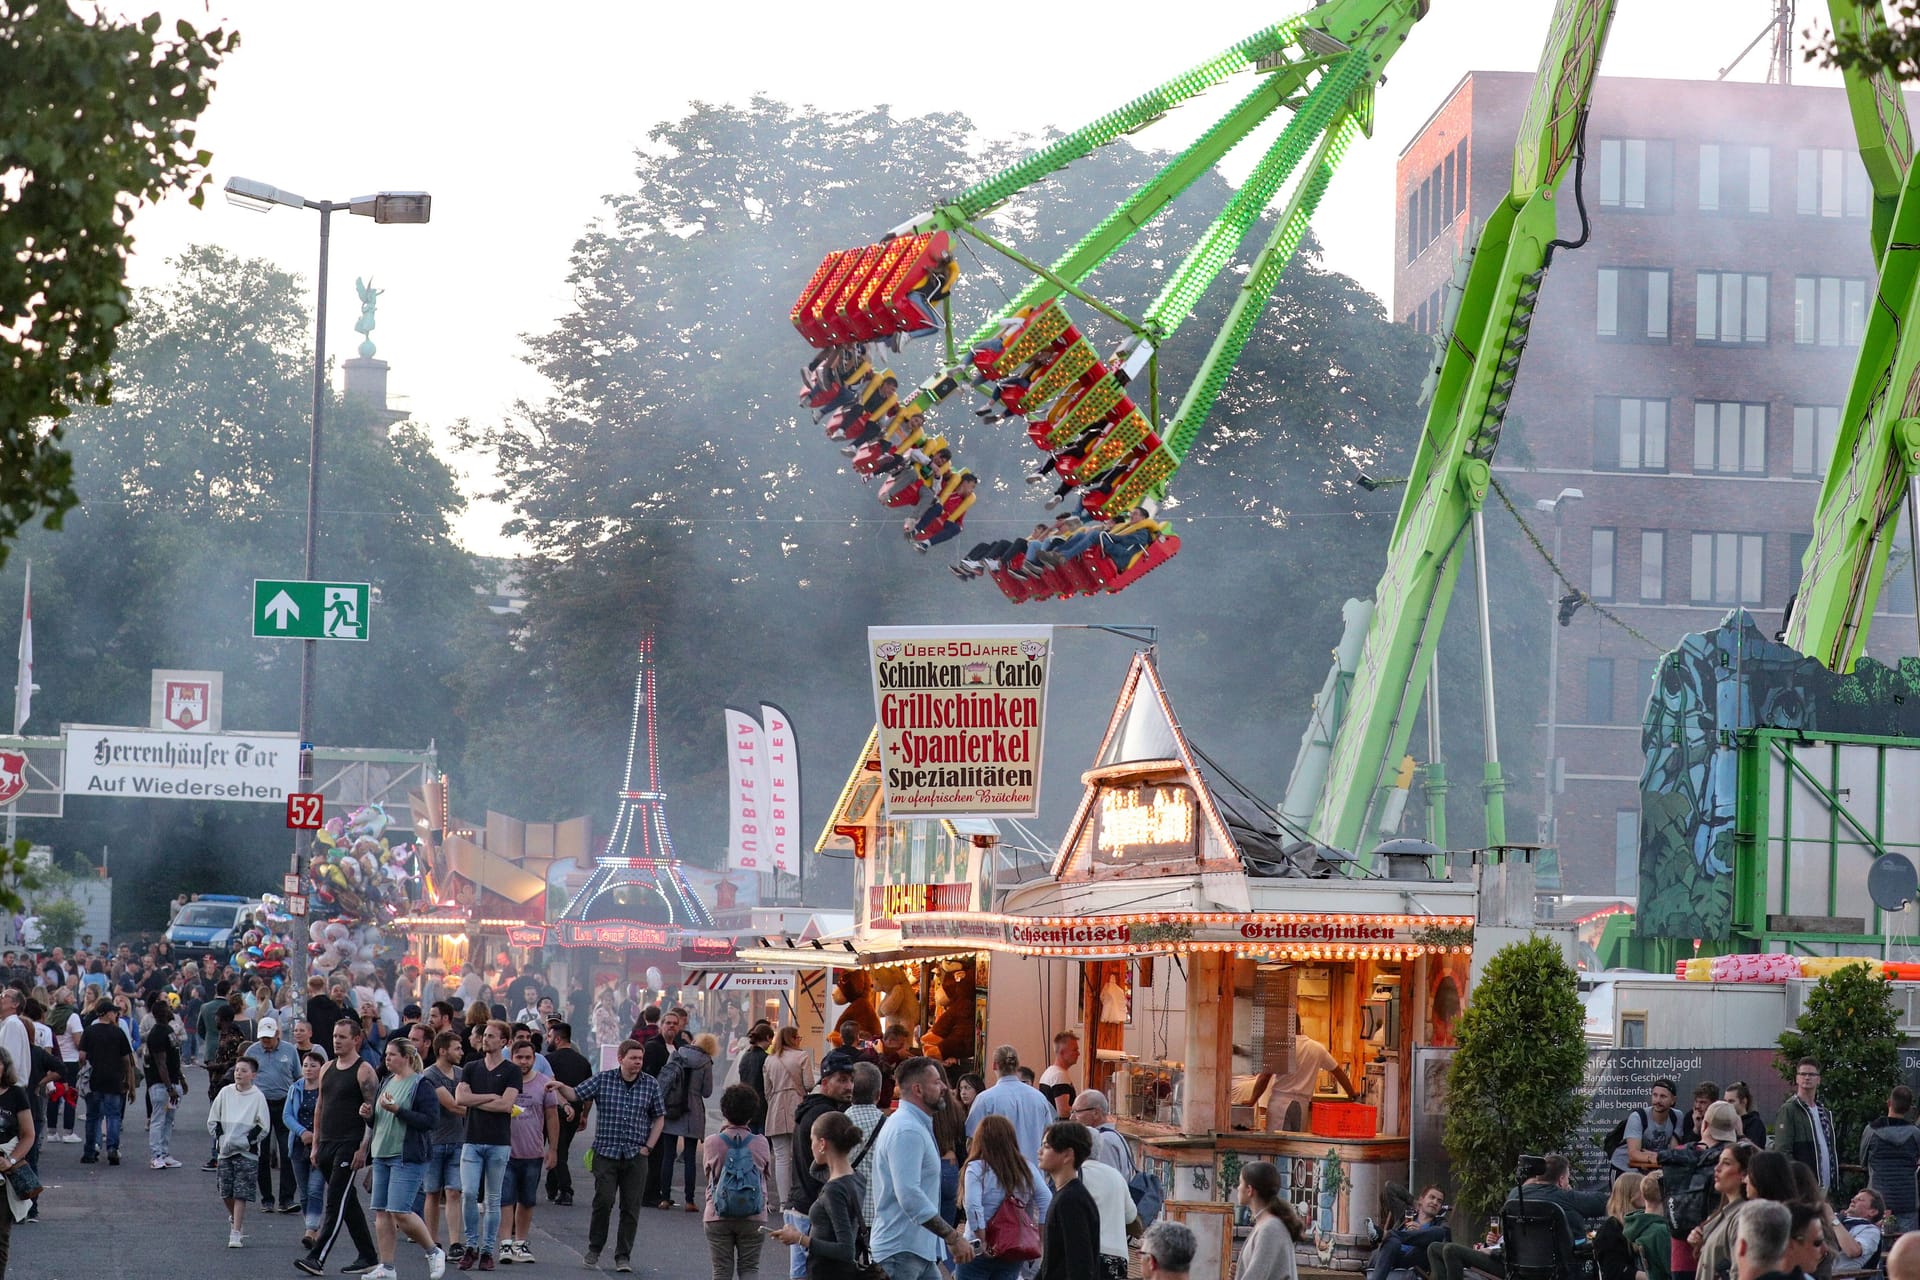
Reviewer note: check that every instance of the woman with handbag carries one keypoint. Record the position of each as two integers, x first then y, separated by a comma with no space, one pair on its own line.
1006,1201
16,1139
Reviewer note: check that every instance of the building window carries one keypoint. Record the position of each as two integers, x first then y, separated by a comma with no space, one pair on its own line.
1629,434
1727,568
1599,691
1633,1026
1732,307
1633,304
1729,438
1649,672
1437,201
1829,311
1600,570
1653,564
1797,544
1626,871
1832,183
1736,180
1637,174
1815,428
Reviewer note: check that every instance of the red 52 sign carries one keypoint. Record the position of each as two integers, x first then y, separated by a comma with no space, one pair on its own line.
305,811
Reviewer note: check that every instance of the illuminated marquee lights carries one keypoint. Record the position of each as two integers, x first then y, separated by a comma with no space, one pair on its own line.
1147,821
1284,936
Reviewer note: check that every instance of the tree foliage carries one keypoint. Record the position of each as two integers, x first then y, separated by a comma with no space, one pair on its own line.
1514,1085
1893,47
672,481
95,119
193,483
1851,1029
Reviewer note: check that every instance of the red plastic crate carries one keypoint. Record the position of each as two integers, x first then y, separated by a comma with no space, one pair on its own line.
1344,1120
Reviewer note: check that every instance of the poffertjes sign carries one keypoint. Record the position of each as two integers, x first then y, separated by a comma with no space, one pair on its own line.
962,716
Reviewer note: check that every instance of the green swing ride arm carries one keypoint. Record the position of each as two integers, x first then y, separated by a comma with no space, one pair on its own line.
1321,65
1876,453
1349,760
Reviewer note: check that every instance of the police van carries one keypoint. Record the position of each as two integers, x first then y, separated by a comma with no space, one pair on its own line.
211,923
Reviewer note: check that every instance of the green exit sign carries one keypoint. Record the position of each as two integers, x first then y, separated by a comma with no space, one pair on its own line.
309,610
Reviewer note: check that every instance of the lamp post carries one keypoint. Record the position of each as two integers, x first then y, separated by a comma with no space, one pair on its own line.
1558,506
382,207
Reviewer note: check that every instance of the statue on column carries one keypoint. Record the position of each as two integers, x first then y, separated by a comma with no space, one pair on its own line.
369,298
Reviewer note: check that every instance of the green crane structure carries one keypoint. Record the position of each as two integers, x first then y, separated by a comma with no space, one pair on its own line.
1877,450
1349,769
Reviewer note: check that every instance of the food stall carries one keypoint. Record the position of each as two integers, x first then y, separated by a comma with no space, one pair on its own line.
901,869
1199,954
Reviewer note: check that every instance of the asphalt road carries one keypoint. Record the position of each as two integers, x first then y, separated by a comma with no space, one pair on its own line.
135,1222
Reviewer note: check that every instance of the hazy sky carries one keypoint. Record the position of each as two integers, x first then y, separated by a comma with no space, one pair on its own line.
518,125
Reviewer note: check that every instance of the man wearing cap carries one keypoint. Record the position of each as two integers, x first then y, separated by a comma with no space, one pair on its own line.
833,1093
277,1067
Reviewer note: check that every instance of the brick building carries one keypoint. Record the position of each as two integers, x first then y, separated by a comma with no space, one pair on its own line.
1685,373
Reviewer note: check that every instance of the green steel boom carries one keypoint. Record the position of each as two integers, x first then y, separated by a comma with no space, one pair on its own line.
1347,786
1877,450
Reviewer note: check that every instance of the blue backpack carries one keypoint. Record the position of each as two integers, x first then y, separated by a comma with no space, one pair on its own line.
739,1193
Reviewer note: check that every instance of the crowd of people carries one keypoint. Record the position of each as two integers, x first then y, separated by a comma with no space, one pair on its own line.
379,1119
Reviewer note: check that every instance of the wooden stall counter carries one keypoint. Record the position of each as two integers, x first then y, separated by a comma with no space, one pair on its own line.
1334,1182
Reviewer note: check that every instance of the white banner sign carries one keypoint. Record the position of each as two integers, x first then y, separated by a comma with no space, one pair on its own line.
748,844
962,715
783,788
141,763
759,981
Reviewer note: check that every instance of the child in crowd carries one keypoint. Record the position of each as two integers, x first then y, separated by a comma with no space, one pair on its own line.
238,1122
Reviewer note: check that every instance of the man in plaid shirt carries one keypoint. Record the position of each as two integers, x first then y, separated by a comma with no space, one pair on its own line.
630,1118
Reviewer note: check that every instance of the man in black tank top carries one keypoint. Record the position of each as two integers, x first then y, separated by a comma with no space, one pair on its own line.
342,1132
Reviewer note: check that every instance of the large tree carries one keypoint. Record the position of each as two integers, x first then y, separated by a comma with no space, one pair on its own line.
98,119
193,483
672,482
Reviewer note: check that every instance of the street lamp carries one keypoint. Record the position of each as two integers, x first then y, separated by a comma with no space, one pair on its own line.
383,206
1558,506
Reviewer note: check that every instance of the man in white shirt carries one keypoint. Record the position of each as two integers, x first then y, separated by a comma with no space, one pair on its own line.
14,1036
1118,1217
1054,1081
1297,1085
1024,1106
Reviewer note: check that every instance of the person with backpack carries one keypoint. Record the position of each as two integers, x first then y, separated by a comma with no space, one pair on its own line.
739,1168
686,1082
1110,1148
1645,1131
1687,1181
1005,1196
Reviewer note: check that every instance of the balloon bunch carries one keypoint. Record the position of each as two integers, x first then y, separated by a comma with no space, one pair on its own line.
355,872
263,945
336,944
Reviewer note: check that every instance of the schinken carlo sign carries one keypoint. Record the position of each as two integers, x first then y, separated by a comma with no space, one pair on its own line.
257,767
962,716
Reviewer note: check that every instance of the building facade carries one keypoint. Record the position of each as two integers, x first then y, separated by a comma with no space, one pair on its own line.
1685,374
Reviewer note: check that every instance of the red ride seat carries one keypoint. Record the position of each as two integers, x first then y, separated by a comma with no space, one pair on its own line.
1112,579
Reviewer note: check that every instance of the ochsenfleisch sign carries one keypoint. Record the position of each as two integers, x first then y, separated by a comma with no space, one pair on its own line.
962,716
145,764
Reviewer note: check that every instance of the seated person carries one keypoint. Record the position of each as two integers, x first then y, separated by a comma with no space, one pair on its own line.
1119,541
1553,1186
1009,394
984,557
1406,1245
930,466
1862,1223
942,520
922,307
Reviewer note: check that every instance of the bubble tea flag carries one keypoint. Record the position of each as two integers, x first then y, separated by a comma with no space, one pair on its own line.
962,716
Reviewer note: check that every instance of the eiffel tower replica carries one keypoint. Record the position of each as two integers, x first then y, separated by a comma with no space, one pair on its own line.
640,850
